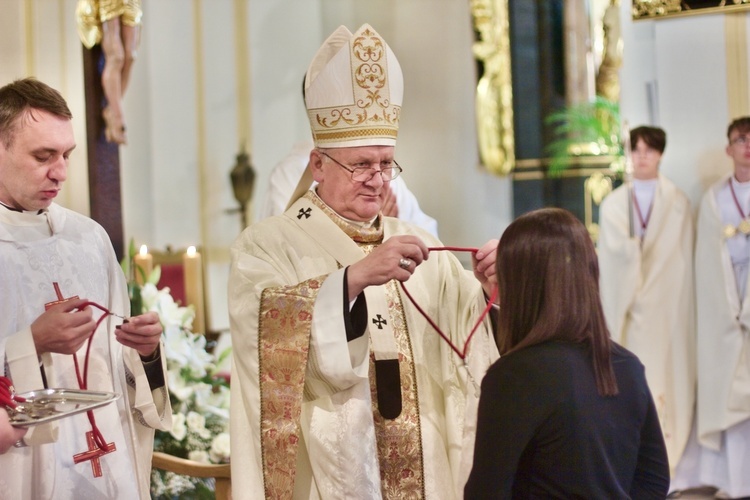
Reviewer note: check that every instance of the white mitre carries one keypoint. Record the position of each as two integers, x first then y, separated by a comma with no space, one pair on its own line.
353,91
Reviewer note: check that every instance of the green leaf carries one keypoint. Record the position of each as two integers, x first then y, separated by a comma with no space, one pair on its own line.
136,302
596,122
155,276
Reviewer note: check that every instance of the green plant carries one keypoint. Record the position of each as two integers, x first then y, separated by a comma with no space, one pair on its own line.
584,129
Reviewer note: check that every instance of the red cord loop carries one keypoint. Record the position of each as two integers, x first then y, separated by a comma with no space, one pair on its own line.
460,352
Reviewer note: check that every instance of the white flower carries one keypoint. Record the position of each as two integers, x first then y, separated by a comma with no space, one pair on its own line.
169,311
195,421
203,395
220,448
178,430
187,350
149,296
178,386
177,483
217,403
199,456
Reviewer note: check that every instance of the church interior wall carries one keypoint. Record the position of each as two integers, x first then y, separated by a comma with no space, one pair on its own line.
185,122
675,75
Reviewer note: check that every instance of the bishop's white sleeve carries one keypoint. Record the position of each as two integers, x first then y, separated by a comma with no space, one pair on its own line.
334,364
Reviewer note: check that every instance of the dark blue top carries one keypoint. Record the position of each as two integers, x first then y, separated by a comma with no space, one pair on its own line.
544,431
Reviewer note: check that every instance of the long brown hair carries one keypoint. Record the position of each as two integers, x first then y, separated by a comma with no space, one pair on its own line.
548,276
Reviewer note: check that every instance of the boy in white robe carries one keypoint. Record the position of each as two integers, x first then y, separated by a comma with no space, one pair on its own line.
721,269
52,262
646,283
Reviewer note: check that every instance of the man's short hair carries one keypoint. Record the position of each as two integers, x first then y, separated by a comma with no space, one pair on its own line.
22,96
741,125
654,137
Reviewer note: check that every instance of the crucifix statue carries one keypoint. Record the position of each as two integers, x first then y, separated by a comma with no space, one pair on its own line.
109,31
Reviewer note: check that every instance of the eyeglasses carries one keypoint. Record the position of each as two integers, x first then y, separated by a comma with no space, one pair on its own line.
742,140
388,171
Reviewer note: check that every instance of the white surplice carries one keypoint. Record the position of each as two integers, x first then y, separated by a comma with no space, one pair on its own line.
647,296
723,331
288,270
63,247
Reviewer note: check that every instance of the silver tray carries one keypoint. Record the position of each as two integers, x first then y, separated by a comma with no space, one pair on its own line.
46,405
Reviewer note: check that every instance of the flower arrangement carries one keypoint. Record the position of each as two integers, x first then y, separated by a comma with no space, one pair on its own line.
199,396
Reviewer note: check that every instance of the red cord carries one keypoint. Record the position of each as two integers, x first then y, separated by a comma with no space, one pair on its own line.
101,443
461,353
8,396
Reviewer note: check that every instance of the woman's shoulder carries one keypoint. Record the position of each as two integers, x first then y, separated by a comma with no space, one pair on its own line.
545,361
624,361
621,355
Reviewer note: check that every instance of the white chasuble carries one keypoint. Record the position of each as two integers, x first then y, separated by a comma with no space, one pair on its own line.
60,246
305,416
723,324
647,295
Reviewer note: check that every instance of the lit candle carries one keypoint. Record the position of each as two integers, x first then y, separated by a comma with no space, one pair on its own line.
194,287
144,264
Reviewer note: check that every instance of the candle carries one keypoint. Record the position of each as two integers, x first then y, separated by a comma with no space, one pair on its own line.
194,287
144,264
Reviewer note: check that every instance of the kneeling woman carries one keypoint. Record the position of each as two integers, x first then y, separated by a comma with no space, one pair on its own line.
565,412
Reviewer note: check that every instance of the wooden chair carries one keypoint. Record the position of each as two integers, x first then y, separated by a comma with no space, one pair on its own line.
221,472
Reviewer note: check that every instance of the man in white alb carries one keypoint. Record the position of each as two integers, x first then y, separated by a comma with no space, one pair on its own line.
646,281
53,262
722,252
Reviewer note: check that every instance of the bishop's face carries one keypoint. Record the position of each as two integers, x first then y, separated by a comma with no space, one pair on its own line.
34,167
645,161
354,200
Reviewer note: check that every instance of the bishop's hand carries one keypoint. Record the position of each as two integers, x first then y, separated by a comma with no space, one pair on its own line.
142,333
63,328
397,258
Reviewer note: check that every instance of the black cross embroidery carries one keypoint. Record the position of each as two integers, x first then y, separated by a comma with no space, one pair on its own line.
379,321
304,211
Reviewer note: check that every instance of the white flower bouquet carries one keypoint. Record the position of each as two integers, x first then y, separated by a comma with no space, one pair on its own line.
199,397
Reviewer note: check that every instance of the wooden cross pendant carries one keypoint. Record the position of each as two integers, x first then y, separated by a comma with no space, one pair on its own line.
93,454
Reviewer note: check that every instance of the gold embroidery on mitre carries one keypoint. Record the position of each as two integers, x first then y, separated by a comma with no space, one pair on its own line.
285,317
353,134
372,112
